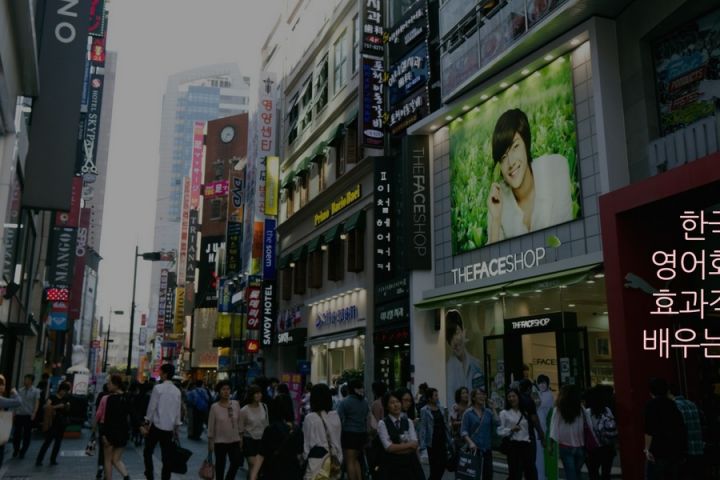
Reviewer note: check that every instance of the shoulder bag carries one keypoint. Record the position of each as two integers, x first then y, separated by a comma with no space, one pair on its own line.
331,467
591,442
6,423
505,443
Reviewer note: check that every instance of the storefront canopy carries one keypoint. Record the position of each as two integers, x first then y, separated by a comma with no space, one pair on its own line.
313,245
297,254
549,280
284,262
356,221
332,233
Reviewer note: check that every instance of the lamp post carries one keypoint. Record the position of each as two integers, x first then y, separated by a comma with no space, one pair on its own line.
153,257
107,336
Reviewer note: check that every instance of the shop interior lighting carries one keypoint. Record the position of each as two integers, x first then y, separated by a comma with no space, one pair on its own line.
563,286
605,313
466,108
503,85
386,347
343,236
525,71
476,301
459,305
571,305
546,308
449,117
323,248
292,264
495,298
406,344
548,57
396,346
599,275
538,291
484,96
590,281
515,294
575,42
502,294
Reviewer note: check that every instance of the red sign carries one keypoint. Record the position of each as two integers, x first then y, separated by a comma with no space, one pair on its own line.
57,295
216,189
252,346
97,51
196,166
71,218
253,305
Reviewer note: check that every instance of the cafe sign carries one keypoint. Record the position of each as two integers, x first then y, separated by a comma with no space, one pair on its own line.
339,204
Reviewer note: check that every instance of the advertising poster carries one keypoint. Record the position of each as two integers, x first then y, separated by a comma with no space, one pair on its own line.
196,165
412,28
270,243
373,31
86,164
408,74
522,140
687,73
272,185
373,101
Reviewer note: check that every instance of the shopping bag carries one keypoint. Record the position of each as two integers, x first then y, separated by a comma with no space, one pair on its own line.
179,457
6,423
469,466
207,470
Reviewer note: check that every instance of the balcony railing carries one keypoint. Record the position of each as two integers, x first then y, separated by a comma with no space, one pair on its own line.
695,141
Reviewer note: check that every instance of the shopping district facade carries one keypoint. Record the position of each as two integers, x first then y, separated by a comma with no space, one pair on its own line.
378,185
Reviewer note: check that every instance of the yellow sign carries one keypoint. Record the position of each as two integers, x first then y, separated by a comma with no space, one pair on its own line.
179,324
272,185
342,202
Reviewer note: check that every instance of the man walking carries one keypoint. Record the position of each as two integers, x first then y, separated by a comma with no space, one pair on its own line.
25,416
59,405
162,422
199,400
693,467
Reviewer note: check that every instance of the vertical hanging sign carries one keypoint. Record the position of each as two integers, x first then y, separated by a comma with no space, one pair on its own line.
373,31
382,238
196,165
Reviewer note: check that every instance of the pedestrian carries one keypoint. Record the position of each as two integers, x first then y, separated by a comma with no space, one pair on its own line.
305,401
254,418
407,405
224,433
435,434
600,460
693,467
514,424
96,433
379,390
44,387
353,412
462,403
529,401
162,422
272,388
567,428
25,416
665,434
421,398
477,425
198,399
321,433
113,417
13,401
400,441
545,458
281,444
58,406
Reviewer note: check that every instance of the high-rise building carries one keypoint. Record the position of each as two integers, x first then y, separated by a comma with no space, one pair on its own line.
200,94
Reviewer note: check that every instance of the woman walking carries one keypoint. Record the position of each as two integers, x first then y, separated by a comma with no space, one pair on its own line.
7,402
253,420
224,433
567,427
321,434
434,434
353,412
514,424
605,430
462,403
400,441
113,418
478,423
281,444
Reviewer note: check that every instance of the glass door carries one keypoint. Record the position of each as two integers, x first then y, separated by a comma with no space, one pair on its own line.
495,371
572,357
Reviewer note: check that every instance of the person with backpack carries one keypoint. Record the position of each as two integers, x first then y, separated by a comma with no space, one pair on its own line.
199,400
400,442
321,435
113,416
600,460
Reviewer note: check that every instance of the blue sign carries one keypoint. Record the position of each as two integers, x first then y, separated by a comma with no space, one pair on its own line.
269,246
58,321
304,367
408,74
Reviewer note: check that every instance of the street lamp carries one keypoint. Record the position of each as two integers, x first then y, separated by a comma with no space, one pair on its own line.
152,257
107,337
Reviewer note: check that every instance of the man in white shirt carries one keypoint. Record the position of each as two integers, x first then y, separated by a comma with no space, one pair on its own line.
25,415
162,421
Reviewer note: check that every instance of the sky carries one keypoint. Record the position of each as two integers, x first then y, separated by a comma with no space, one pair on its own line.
155,39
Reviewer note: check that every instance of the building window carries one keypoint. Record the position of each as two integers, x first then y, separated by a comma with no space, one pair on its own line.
340,63
316,269
293,116
356,250
300,276
356,44
306,114
303,186
216,209
322,165
321,84
346,150
290,203
286,283
336,266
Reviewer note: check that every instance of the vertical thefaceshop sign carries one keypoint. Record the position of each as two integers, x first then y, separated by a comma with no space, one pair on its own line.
416,165
56,113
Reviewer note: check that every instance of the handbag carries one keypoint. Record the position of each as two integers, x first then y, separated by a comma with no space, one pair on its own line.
48,418
505,442
90,447
179,457
207,470
591,442
330,467
469,466
6,423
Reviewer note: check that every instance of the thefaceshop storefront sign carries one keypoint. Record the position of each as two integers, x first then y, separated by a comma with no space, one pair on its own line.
499,266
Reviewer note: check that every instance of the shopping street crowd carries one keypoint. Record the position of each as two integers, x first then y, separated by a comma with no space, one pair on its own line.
337,432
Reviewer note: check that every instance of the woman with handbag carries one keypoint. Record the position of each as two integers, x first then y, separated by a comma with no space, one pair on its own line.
514,428
253,420
400,442
478,423
6,418
321,434
435,435
224,433
569,425
113,418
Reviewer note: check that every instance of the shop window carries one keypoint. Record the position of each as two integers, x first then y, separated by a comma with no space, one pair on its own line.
321,85
293,116
303,187
346,150
300,276
286,284
336,266
322,165
216,212
316,269
340,63
356,250
289,199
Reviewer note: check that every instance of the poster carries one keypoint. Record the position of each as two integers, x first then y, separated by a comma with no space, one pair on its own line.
518,145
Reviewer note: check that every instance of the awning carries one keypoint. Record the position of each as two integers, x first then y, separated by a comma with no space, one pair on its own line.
319,340
319,151
288,179
304,166
549,280
283,262
313,245
332,233
297,254
356,220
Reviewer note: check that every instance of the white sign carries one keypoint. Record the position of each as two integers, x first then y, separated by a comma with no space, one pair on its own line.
535,322
499,266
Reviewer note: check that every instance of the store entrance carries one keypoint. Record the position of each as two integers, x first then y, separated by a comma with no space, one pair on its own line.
562,355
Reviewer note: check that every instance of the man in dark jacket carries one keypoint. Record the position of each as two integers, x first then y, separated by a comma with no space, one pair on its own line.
665,434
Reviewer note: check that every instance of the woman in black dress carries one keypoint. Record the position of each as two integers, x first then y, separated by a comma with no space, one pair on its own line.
113,418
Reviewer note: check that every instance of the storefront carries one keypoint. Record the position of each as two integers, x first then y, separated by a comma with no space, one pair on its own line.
336,336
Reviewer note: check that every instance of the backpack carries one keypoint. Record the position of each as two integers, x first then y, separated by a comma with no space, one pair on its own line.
201,400
607,428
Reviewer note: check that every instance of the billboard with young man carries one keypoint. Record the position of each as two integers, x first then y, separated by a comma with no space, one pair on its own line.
513,161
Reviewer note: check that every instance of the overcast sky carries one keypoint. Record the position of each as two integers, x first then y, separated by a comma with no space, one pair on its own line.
155,39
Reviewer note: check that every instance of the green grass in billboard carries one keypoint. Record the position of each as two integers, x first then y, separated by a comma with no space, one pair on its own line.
546,97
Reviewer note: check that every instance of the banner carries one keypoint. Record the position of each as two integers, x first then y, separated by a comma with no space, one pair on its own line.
71,218
253,307
184,226
372,25
81,250
257,247
408,74
52,153
384,179
269,311
237,196
416,189
268,120
97,18
192,246
520,140
161,301
196,164
61,257
207,277
215,189
179,309
97,52
170,303
269,270
412,28
373,101
272,185
233,253
86,157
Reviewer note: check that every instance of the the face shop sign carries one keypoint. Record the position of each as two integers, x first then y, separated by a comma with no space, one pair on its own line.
499,266
336,318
